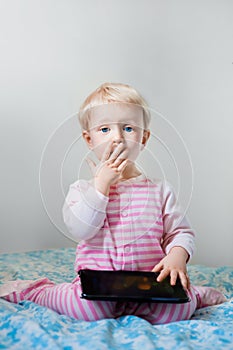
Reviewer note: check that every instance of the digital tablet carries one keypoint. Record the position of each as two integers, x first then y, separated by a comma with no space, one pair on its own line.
138,286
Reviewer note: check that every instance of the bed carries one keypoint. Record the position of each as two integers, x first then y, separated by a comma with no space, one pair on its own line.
30,326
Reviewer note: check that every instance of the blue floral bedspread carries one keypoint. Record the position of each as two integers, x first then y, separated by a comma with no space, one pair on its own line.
30,326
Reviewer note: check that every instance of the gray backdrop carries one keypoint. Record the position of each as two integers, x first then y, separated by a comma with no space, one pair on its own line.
178,54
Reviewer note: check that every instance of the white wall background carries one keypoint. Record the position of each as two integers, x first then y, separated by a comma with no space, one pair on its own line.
178,54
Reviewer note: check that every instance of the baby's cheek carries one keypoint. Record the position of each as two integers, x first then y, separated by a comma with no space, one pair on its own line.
98,152
133,152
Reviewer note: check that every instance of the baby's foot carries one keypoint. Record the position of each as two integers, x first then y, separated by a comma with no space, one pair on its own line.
13,286
207,296
20,285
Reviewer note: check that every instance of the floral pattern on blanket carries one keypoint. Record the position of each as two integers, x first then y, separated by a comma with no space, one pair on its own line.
30,326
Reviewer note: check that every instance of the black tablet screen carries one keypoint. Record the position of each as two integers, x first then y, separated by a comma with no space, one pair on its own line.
130,286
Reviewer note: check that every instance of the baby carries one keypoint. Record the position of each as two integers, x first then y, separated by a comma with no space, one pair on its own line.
122,219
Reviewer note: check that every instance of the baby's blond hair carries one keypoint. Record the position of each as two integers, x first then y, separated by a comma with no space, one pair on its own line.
112,93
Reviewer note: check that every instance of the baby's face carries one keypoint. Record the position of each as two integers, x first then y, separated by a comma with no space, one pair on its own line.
114,123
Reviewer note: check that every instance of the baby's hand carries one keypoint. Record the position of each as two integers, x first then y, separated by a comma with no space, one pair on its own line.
174,264
110,168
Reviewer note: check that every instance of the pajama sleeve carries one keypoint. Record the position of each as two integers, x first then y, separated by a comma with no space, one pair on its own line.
84,210
177,230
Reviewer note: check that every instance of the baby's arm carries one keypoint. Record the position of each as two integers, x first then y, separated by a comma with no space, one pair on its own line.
84,210
178,241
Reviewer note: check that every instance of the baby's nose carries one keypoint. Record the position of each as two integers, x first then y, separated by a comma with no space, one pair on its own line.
118,136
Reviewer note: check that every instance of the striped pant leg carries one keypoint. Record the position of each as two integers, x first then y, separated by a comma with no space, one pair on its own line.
65,299
162,313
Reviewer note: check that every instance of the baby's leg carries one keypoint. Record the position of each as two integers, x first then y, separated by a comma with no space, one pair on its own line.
207,296
162,313
63,298
166,313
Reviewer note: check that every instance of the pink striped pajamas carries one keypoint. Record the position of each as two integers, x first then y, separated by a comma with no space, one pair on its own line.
132,229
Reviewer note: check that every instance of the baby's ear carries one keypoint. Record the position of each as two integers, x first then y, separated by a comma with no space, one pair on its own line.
87,138
145,137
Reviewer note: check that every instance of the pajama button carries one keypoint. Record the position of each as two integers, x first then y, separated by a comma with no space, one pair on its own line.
114,197
121,188
127,249
124,213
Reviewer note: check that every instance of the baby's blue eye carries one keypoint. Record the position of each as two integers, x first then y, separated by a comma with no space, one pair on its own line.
128,128
104,129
